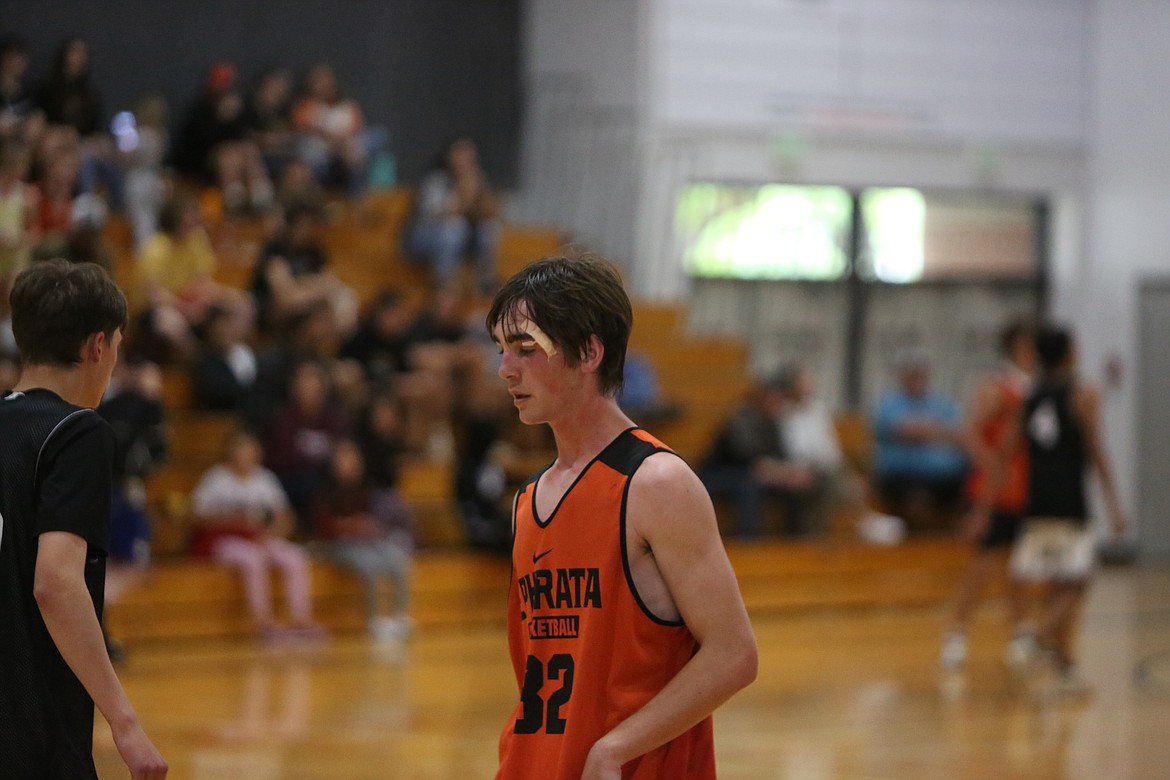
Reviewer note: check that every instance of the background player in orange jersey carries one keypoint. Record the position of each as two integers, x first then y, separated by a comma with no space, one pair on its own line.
625,622
994,411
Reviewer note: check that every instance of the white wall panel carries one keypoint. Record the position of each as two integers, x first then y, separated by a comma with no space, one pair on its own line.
1004,70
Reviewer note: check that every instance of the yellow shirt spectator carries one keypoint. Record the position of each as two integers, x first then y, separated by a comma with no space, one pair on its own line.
174,263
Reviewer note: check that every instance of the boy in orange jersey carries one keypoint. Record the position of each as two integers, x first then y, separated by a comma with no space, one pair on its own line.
995,410
625,622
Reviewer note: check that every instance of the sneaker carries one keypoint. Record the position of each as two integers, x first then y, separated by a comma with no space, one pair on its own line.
954,650
882,530
391,629
1021,652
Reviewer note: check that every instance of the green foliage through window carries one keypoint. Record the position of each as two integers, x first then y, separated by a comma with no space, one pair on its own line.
775,231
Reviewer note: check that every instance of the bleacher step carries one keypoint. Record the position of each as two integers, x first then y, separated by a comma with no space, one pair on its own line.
200,600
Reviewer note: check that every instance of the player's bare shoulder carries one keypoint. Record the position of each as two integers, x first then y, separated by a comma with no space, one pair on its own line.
667,495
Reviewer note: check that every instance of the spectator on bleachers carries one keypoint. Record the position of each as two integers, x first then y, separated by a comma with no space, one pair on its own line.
298,188
54,213
20,119
334,140
84,243
223,375
176,280
267,119
144,147
301,437
386,346
481,482
312,336
292,274
380,437
68,98
810,438
368,532
243,520
920,464
383,341
441,319
18,201
749,463
444,339
213,145
455,215
640,396
133,407
54,142
445,350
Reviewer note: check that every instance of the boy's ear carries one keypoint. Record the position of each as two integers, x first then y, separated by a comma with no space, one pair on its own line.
94,347
594,352
91,348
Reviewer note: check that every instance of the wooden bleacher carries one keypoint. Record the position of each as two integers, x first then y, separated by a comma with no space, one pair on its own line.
453,589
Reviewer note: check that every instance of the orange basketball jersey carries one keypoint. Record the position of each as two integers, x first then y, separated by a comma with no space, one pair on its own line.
586,652
1013,495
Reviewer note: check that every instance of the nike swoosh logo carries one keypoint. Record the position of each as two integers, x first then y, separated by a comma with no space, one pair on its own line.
536,558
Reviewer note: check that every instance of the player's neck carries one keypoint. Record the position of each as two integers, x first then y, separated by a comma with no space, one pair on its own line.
590,430
73,384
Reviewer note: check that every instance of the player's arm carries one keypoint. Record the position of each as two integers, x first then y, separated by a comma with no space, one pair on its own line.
985,404
670,511
67,609
989,458
1087,409
997,474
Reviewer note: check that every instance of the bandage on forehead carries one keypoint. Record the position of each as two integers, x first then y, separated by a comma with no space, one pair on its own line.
537,335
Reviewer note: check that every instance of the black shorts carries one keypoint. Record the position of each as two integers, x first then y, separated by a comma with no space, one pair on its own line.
1002,531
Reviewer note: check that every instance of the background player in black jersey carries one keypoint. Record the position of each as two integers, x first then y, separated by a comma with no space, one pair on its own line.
1060,426
55,479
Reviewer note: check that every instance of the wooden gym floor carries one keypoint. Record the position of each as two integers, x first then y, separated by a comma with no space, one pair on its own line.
844,693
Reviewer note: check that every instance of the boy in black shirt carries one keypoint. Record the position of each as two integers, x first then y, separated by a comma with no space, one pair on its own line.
1059,425
1061,429
55,477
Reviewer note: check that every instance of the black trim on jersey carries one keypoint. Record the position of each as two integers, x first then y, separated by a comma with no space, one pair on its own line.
45,443
599,457
634,456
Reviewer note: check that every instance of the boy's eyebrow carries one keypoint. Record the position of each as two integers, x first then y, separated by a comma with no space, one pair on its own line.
530,331
512,338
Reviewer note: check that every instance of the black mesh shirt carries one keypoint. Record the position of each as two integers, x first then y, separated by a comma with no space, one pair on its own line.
1057,455
55,475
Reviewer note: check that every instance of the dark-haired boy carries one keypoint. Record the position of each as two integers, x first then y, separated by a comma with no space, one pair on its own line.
1061,426
55,481
625,623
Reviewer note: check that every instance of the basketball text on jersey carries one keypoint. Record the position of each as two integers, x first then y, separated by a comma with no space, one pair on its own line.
557,589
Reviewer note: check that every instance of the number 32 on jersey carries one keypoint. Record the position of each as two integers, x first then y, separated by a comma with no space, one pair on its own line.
539,713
